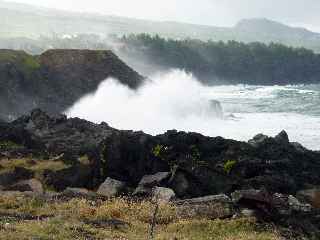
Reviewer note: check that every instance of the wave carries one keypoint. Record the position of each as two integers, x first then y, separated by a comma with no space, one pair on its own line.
168,101
176,100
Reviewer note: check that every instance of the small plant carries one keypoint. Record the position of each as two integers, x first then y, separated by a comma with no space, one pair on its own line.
195,153
158,150
101,55
31,63
229,165
8,145
195,156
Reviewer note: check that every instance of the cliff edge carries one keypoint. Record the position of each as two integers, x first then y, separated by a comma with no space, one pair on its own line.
56,79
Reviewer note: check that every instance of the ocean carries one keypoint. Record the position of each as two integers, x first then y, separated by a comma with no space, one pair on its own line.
176,100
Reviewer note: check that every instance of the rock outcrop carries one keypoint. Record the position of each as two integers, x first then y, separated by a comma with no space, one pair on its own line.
212,207
162,195
191,164
268,178
56,79
10,177
148,182
111,188
311,195
31,185
204,166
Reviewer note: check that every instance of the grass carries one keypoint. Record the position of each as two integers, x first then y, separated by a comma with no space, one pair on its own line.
10,56
71,220
27,63
8,145
31,63
35,165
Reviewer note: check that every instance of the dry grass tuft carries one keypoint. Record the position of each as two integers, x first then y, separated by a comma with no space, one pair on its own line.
35,165
71,220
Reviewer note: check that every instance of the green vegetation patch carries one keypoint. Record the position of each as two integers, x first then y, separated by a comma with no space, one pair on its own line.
101,55
23,61
31,63
35,165
8,145
158,150
9,56
229,166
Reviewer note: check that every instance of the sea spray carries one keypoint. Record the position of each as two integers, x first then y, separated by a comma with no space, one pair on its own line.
176,100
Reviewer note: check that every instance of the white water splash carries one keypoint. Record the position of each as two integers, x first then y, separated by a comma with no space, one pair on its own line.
176,100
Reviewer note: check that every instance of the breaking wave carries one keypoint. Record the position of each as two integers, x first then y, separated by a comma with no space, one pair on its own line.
176,100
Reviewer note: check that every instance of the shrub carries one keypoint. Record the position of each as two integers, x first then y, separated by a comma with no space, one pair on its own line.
8,145
158,151
229,165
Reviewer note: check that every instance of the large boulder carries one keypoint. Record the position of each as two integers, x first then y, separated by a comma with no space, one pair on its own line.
251,195
58,135
268,204
180,184
257,140
77,176
128,156
298,206
78,193
149,181
310,195
282,138
162,194
211,207
15,175
155,179
111,188
31,185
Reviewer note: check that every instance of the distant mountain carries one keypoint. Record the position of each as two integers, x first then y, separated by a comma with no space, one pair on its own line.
20,20
265,30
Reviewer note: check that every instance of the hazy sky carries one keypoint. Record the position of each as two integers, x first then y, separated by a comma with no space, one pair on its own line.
211,12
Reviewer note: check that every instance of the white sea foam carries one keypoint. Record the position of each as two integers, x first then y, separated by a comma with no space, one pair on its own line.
176,100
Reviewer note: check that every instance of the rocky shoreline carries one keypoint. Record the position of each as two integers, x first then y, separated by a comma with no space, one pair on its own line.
269,178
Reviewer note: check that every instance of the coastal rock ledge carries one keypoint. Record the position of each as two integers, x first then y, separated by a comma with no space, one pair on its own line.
269,178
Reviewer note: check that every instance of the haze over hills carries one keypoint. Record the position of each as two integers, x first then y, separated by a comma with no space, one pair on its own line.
18,20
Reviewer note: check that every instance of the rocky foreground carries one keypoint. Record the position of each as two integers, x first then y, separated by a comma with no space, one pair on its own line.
268,182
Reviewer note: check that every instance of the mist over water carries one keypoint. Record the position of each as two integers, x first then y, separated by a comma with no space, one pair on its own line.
176,100
170,100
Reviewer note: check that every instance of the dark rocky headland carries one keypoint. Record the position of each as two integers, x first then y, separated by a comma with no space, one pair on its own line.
56,79
269,178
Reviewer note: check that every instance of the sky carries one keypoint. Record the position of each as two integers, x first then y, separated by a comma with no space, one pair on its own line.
304,13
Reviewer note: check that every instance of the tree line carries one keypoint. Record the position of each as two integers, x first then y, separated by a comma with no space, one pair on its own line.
228,62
